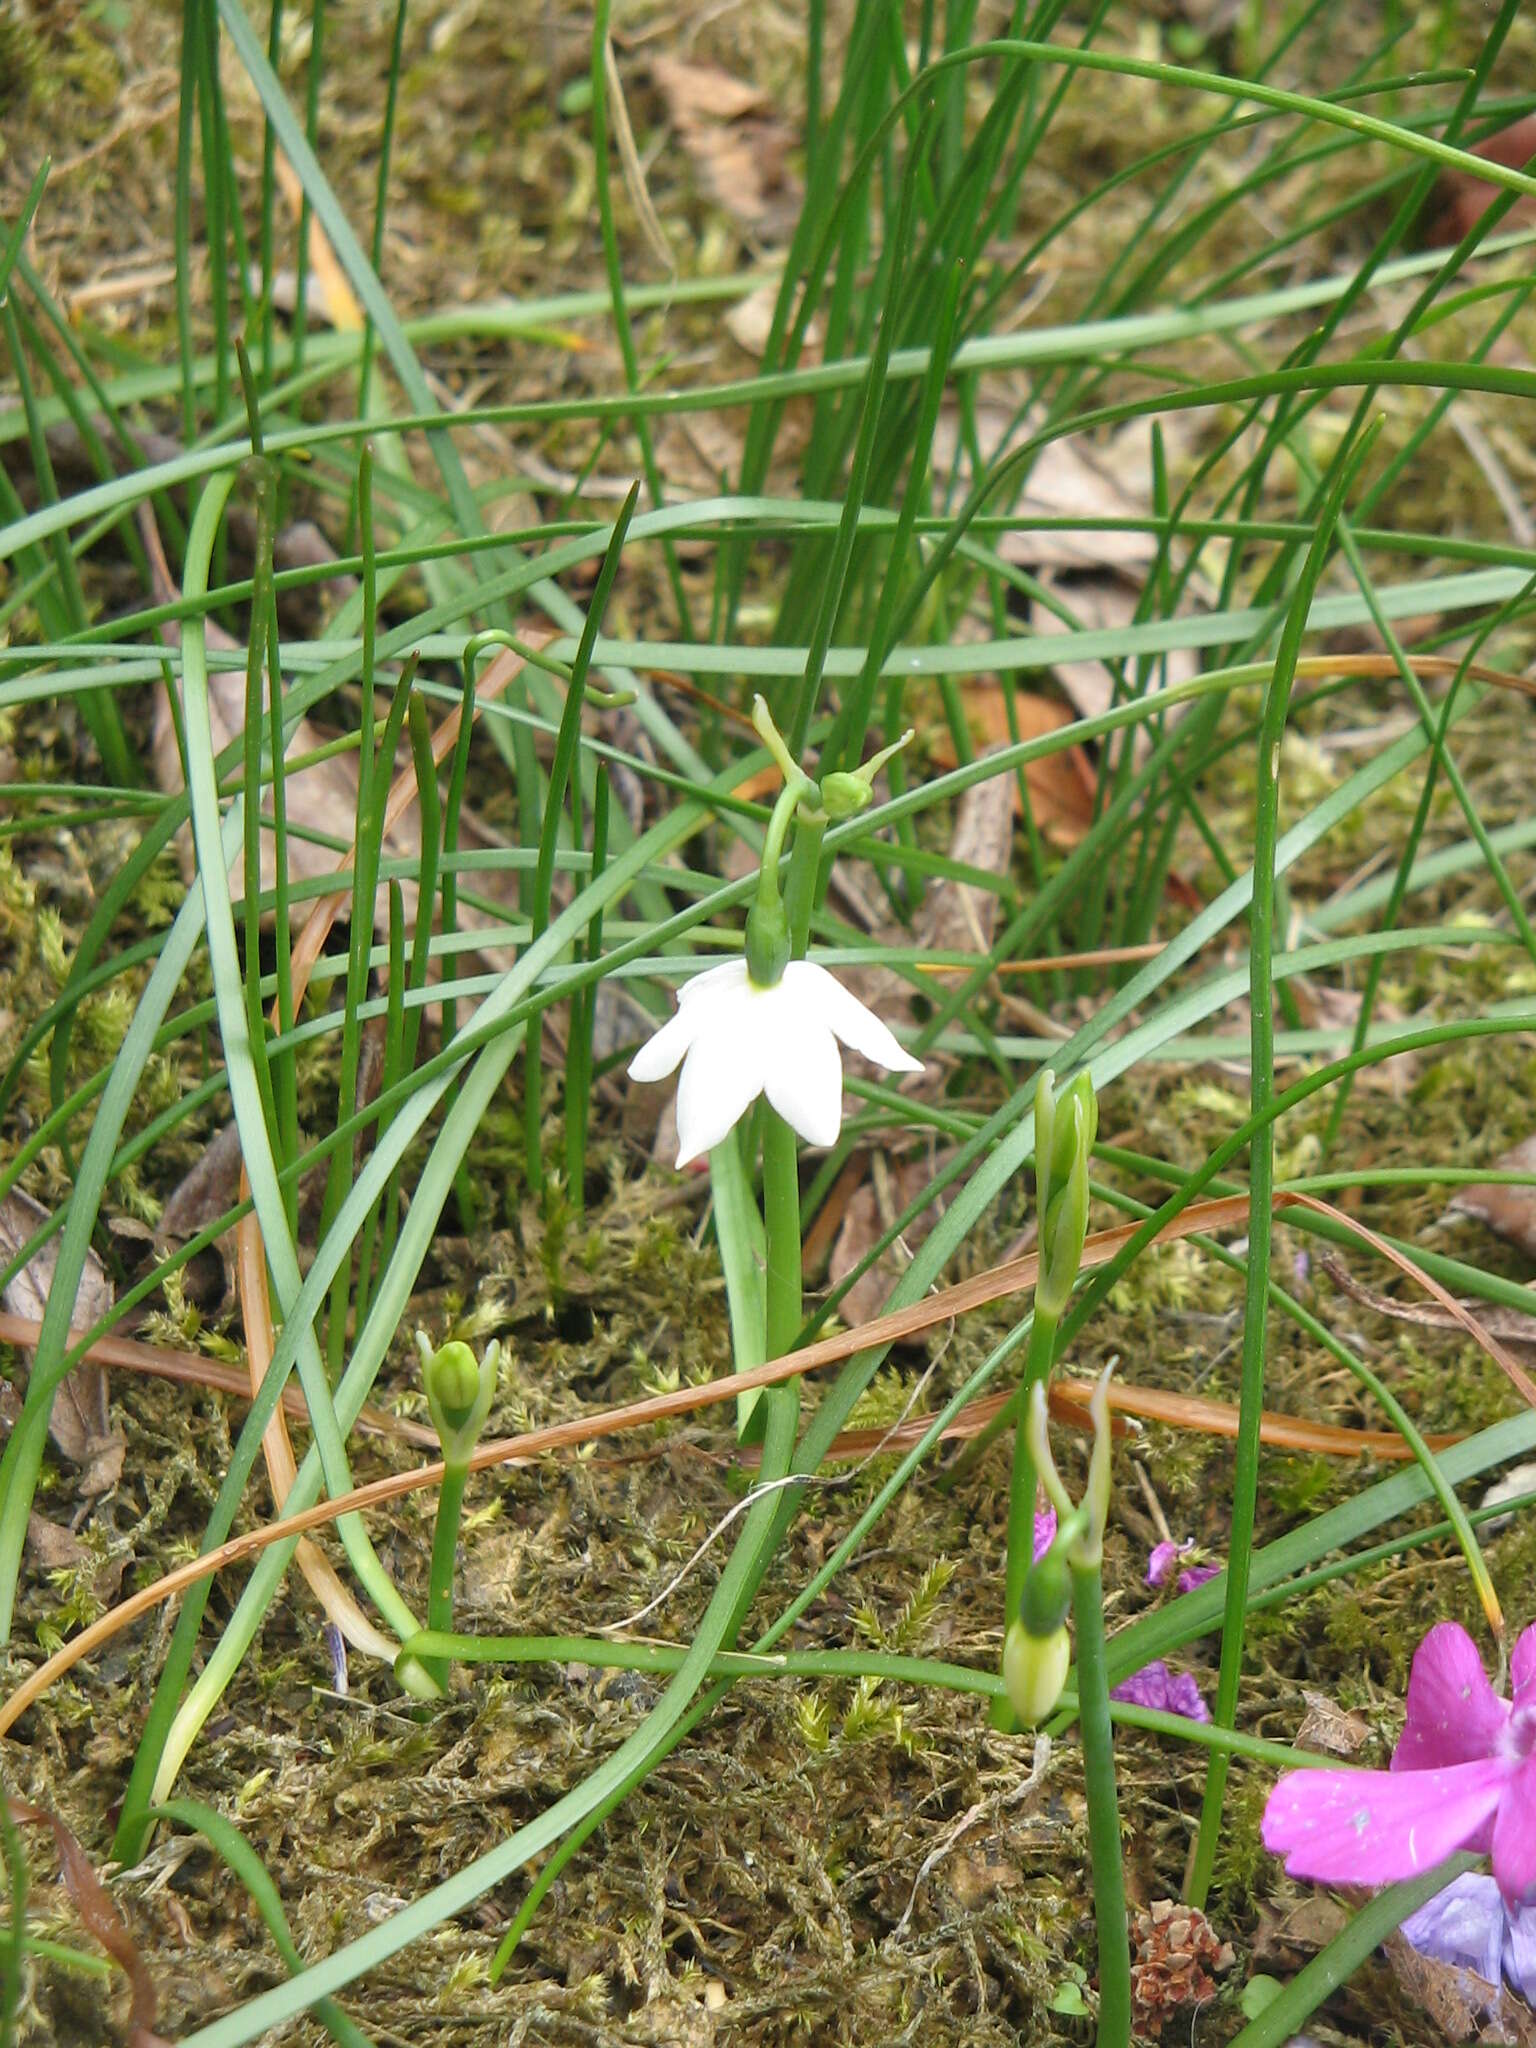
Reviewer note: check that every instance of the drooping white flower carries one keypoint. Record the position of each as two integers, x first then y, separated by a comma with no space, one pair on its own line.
737,1041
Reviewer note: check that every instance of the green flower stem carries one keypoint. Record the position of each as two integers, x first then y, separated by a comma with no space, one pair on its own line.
1021,1499
789,799
781,1216
1104,1848
445,1545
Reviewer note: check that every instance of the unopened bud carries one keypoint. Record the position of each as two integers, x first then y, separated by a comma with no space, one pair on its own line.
1047,1597
460,1389
768,946
847,791
1035,1670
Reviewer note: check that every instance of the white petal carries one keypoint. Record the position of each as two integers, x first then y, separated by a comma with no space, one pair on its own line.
722,1075
730,974
843,1013
805,1078
662,1051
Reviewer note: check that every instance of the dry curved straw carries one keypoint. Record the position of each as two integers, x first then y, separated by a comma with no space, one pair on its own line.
1012,1277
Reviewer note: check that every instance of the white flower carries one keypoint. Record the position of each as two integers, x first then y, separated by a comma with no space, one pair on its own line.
737,1041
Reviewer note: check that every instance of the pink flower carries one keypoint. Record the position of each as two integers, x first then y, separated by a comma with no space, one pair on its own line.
1154,1685
1463,1776
1166,1555
1045,1531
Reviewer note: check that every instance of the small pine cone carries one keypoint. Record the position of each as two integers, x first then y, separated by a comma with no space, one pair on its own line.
1177,1950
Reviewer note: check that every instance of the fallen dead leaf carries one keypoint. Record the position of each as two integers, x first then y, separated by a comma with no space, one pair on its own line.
1464,2006
1511,1211
1464,197
81,1422
750,321
1510,1325
1061,785
870,1212
1105,603
1323,1007
738,144
100,1916
958,916
1329,1728
1285,1941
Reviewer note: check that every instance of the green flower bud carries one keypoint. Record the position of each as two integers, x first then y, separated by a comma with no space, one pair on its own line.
846,791
1034,1671
1063,1230
1047,1598
767,941
1059,1135
459,1390
844,795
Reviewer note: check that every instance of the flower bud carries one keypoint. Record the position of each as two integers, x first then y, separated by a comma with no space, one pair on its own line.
1065,1129
768,945
844,795
1034,1671
459,1390
1047,1598
847,791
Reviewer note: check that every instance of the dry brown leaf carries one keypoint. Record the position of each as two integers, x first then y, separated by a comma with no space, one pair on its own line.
703,92
1464,198
738,146
81,1422
1510,1211
1070,479
1463,2005
1286,1940
750,321
957,916
1323,1007
336,295
1106,603
870,1212
1061,785
1329,1728
1510,1325
102,1920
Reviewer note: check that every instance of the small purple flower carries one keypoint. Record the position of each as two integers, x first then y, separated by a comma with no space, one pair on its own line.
1164,1557
1165,1691
1045,1531
1463,1776
1469,1926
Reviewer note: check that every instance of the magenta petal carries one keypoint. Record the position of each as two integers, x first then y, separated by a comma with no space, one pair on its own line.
1514,1836
1165,1691
1374,1827
1045,1531
1164,1557
1454,1714
1522,1667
